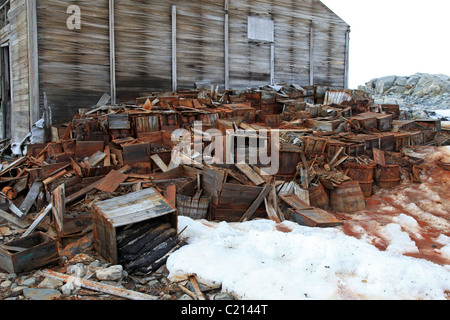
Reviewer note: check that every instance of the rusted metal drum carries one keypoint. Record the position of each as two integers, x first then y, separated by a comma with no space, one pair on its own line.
387,176
347,197
318,197
364,174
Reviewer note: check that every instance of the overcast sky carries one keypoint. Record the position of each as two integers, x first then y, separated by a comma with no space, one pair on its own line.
395,37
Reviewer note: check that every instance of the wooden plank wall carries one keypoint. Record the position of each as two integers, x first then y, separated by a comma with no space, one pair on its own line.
143,47
73,64
200,42
20,116
249,62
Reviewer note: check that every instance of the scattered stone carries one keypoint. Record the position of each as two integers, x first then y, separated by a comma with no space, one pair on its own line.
50,283
112,273
185,297
11,276
67,288
95,264
28,282
18,289
41,294
78,270
222,296
5,284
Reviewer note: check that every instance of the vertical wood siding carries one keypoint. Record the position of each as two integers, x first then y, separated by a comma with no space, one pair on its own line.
143,46
73,64
20,115
200,42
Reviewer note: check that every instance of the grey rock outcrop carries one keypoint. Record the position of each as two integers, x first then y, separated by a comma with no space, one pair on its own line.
420,94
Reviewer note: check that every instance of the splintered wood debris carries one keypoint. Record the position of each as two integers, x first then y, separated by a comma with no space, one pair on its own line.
118,174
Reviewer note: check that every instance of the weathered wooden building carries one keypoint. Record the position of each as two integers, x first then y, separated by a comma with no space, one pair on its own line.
75,51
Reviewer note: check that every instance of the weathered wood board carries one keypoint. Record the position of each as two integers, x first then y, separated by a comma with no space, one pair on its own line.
125,210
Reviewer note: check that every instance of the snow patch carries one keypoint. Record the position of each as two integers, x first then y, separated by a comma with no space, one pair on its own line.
399,241
255,261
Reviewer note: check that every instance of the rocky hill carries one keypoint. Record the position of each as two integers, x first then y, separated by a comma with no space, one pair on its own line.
422,94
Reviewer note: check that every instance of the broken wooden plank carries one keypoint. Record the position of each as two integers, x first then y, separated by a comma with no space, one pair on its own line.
378,156
111,181
336,156
59,206
16,210
82,192
189,161
31,197
157,159
13,164
107,160
248,214
38,220
171,195
295,202
96,158
14,220
96,286
271,212
187,291
250,173
339,161
263,174
314,218
76,168
55,177
197,290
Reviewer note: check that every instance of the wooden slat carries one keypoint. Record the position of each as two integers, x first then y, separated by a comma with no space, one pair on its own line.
13,219
157,159
97,286
38,220
59,207
315,218
111,181
295,202
31,197
252,175
73,64
248,214
134,207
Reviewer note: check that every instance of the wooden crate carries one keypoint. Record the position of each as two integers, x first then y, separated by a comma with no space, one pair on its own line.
314,217
126,210
271,120
34,251
366,120
384,122
243,110
146,122
234,200
393,109
139,152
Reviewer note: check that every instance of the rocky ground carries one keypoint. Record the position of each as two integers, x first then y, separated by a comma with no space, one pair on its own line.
421,95
87,265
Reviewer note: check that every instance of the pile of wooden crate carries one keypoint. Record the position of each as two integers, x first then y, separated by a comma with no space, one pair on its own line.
116,167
